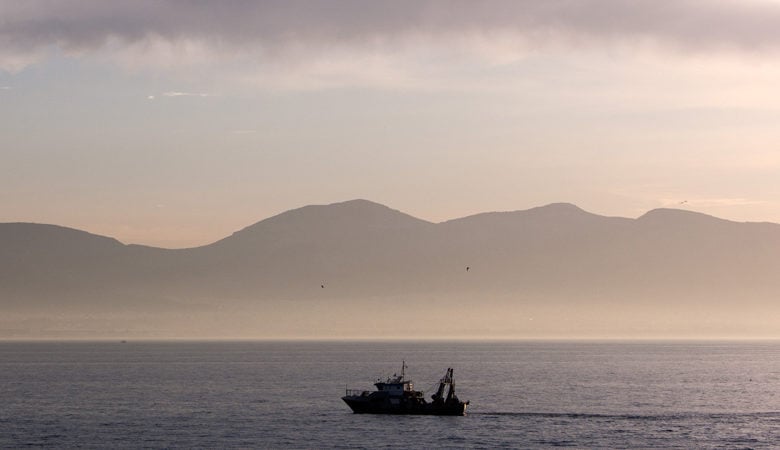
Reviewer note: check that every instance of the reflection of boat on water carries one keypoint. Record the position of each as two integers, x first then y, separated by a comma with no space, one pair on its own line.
396,395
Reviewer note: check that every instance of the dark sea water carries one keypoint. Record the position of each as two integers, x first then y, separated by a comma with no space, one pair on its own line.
287,395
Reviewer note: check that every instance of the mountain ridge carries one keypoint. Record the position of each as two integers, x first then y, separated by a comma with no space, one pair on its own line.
325,268
562,209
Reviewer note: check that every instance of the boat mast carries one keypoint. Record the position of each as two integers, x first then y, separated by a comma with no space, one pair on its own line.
443,384
451,392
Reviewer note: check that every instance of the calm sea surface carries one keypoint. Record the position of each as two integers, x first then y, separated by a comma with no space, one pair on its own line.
287,395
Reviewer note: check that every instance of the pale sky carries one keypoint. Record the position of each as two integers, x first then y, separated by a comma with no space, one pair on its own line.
176,123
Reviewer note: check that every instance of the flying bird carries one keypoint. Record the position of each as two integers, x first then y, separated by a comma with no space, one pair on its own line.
467,268
322,286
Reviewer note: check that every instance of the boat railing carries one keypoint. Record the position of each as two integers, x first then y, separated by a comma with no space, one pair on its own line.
356,392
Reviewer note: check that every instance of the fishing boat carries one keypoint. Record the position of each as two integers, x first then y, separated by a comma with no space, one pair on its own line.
396,395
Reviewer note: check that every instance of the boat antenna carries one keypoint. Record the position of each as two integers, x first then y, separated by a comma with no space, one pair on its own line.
403,369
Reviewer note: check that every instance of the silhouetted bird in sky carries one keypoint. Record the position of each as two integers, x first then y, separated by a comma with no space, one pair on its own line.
322,286
467,268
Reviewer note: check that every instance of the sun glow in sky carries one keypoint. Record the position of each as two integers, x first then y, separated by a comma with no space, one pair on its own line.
176,123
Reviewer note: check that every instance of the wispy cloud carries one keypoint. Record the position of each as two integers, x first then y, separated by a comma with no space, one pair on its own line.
184,94
175,94
5,88
707,202
280,26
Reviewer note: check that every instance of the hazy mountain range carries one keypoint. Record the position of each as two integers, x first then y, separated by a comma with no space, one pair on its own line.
362,269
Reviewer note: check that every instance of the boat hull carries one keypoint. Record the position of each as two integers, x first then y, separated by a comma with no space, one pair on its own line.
369,404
